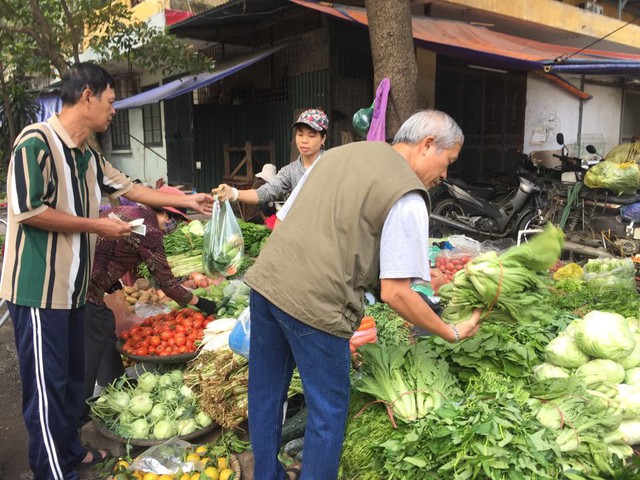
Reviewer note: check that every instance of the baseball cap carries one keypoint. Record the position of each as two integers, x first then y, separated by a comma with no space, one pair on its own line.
173,191
313,118
268,172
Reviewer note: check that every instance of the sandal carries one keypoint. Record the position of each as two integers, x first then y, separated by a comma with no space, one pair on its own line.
96,457
293,469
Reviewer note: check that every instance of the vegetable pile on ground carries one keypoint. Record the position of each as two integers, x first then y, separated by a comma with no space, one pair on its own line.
155,407
173,333
548,394
231,297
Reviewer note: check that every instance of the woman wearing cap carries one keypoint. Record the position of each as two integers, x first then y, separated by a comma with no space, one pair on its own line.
311,133
113,259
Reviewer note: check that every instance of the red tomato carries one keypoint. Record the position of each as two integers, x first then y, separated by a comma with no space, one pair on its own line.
152,350
182,349
166,335
180,341
154,341
142,351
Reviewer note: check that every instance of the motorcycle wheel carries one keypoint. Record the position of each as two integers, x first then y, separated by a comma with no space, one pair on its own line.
529,221
448,208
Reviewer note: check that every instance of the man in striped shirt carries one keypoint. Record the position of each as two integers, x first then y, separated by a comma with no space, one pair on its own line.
54,186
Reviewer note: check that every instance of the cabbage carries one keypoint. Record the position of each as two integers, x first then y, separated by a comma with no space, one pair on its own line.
203,419
550,416
147,382
165,381
186,392
141,404
563,352
169,395
604,335
118,401
632,376
630,430
545,371
164,429
571,328
185,427
176,376
158,412
629,398
633,359
599,370
139,428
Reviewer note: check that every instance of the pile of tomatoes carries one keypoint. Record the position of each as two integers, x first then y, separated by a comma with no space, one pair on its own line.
173,333
446,268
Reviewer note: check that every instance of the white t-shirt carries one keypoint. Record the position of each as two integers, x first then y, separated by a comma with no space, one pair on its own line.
404,244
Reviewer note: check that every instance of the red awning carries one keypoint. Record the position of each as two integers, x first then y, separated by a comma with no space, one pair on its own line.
482,46
175,16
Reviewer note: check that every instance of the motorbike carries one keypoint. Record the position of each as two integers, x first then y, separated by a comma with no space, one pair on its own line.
590,217
485,210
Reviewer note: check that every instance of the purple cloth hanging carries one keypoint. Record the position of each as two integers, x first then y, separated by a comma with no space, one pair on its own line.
378,121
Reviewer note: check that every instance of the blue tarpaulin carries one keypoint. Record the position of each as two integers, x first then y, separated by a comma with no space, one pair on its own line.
189,83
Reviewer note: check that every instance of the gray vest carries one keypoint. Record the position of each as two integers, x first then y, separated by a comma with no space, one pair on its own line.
320,260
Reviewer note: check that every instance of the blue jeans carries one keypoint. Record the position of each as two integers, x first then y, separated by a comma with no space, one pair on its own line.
279,342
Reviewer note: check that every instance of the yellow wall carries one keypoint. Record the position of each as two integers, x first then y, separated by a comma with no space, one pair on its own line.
564,16
148,8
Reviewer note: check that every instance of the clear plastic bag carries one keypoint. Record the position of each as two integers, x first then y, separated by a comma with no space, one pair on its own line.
223,247
610,273
164,459
240,334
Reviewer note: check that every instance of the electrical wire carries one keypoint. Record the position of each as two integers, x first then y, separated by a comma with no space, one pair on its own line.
563,58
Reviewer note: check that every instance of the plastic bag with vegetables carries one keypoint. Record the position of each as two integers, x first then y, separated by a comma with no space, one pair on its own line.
610,273
616,177
223,247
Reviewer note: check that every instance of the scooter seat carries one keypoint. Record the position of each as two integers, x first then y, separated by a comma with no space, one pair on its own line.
484,191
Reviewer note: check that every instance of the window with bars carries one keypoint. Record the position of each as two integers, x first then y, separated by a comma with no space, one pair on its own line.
152,123
120,131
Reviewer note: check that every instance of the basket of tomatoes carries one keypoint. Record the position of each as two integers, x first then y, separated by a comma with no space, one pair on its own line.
171,337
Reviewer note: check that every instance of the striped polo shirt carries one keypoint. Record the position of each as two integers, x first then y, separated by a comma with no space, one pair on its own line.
46,269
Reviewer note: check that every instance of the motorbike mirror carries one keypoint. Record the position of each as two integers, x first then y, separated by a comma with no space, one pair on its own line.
591,149
560,138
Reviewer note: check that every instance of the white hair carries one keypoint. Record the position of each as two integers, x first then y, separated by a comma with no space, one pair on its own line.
434,123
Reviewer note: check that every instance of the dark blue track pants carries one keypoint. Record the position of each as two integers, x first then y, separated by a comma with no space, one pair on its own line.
50,346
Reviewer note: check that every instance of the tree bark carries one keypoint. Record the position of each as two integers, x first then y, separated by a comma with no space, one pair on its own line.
393,54
7,108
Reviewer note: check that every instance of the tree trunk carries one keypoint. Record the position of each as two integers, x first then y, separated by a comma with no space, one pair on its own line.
393,54
6,101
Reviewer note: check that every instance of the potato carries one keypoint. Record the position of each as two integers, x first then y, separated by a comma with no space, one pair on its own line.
136,294
130,300
129,290
142,284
